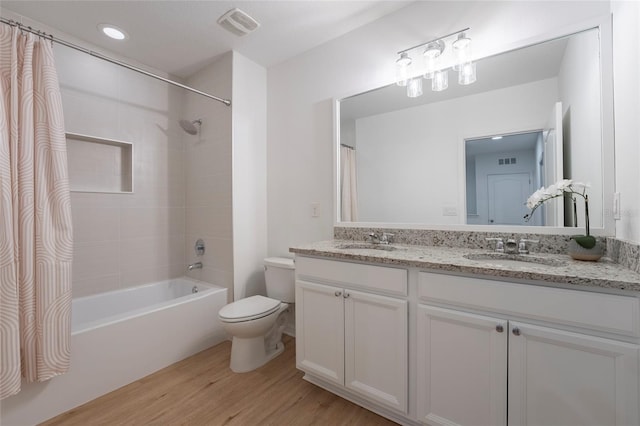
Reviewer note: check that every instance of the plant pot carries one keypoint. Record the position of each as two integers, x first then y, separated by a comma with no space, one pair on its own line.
576,251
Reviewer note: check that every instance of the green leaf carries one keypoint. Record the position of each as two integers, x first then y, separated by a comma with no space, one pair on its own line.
586,241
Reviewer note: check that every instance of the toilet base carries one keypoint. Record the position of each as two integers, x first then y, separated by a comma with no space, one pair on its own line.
249,354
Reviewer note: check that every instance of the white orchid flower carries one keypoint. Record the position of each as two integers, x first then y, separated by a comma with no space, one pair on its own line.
553,191
536,198
563,184
559,189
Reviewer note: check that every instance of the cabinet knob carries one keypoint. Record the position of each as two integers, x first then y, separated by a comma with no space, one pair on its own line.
499,328
516,331
346,295
338,293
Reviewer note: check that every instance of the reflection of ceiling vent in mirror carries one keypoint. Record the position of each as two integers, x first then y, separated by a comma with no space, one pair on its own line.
238,22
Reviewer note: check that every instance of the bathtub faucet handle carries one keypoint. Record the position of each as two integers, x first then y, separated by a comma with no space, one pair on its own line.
197,265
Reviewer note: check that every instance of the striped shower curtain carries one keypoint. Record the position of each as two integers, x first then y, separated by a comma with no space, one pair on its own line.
35,215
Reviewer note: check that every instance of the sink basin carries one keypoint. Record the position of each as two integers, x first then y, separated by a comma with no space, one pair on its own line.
366,246
511,260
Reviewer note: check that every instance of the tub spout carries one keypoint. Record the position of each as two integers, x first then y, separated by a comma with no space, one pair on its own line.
197,265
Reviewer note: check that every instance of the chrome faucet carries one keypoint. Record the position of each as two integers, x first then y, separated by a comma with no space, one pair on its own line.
522,245
197,265
510,246
499,244
385,238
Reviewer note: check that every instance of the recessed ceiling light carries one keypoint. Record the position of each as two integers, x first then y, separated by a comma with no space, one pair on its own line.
113,32
496,138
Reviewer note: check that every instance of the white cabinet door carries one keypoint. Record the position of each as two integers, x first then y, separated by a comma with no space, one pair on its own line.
562,378
320,331
376,346
462,368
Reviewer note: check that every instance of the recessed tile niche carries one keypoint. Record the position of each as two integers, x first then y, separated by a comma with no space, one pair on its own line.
99,164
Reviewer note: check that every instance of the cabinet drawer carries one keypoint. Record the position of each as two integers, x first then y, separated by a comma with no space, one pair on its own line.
603,312
379,278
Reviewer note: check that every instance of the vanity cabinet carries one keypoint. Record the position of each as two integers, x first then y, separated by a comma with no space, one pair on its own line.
434,348
560,371
462,368
349,332
565,378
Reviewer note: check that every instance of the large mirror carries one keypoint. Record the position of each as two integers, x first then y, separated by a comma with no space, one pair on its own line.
472,154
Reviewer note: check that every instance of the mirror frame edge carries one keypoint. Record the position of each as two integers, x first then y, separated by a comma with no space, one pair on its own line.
604,24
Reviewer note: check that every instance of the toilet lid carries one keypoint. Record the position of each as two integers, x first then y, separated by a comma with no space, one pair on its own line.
249,308
280,262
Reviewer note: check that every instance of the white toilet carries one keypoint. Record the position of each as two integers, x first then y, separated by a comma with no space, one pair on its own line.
256,322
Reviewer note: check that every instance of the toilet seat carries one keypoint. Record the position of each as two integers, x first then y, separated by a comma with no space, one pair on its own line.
248,309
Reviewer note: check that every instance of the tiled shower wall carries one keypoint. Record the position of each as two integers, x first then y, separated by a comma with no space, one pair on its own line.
208,176
122,240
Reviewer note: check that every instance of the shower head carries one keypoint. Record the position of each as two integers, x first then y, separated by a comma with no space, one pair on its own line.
191,127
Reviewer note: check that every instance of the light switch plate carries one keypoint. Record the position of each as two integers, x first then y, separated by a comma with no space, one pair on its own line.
449,211
616,206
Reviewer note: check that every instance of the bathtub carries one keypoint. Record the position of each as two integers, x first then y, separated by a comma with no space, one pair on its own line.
119,337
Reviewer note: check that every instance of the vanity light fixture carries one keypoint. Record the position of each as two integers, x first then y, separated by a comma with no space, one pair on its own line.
414,87
462,49
113,32
402,69
437,61
431,54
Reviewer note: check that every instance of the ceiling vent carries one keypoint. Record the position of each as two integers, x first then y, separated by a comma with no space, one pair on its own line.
238,22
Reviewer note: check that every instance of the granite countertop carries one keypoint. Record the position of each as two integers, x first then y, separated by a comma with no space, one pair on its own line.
555,268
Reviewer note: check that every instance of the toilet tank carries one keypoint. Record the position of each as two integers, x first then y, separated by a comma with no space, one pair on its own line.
279,274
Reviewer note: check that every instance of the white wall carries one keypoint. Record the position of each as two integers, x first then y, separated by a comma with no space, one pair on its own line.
226,176
582,129
249,176
348,133
422,146
209,175
301,90
626,62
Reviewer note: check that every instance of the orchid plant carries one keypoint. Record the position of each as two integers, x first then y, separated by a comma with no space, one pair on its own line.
564,188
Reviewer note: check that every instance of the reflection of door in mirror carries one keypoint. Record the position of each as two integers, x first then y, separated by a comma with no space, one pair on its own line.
501,172
506,192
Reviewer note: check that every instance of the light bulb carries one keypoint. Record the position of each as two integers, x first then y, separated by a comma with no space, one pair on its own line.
434,49
402,69
440,81
462,42
467,73
414,87
462,50
431,54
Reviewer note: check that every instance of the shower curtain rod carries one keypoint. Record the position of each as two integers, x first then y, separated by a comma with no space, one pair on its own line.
22,27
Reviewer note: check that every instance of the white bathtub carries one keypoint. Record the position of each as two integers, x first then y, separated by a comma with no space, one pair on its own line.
119,337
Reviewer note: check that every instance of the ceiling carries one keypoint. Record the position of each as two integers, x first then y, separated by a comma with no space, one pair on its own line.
181,36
